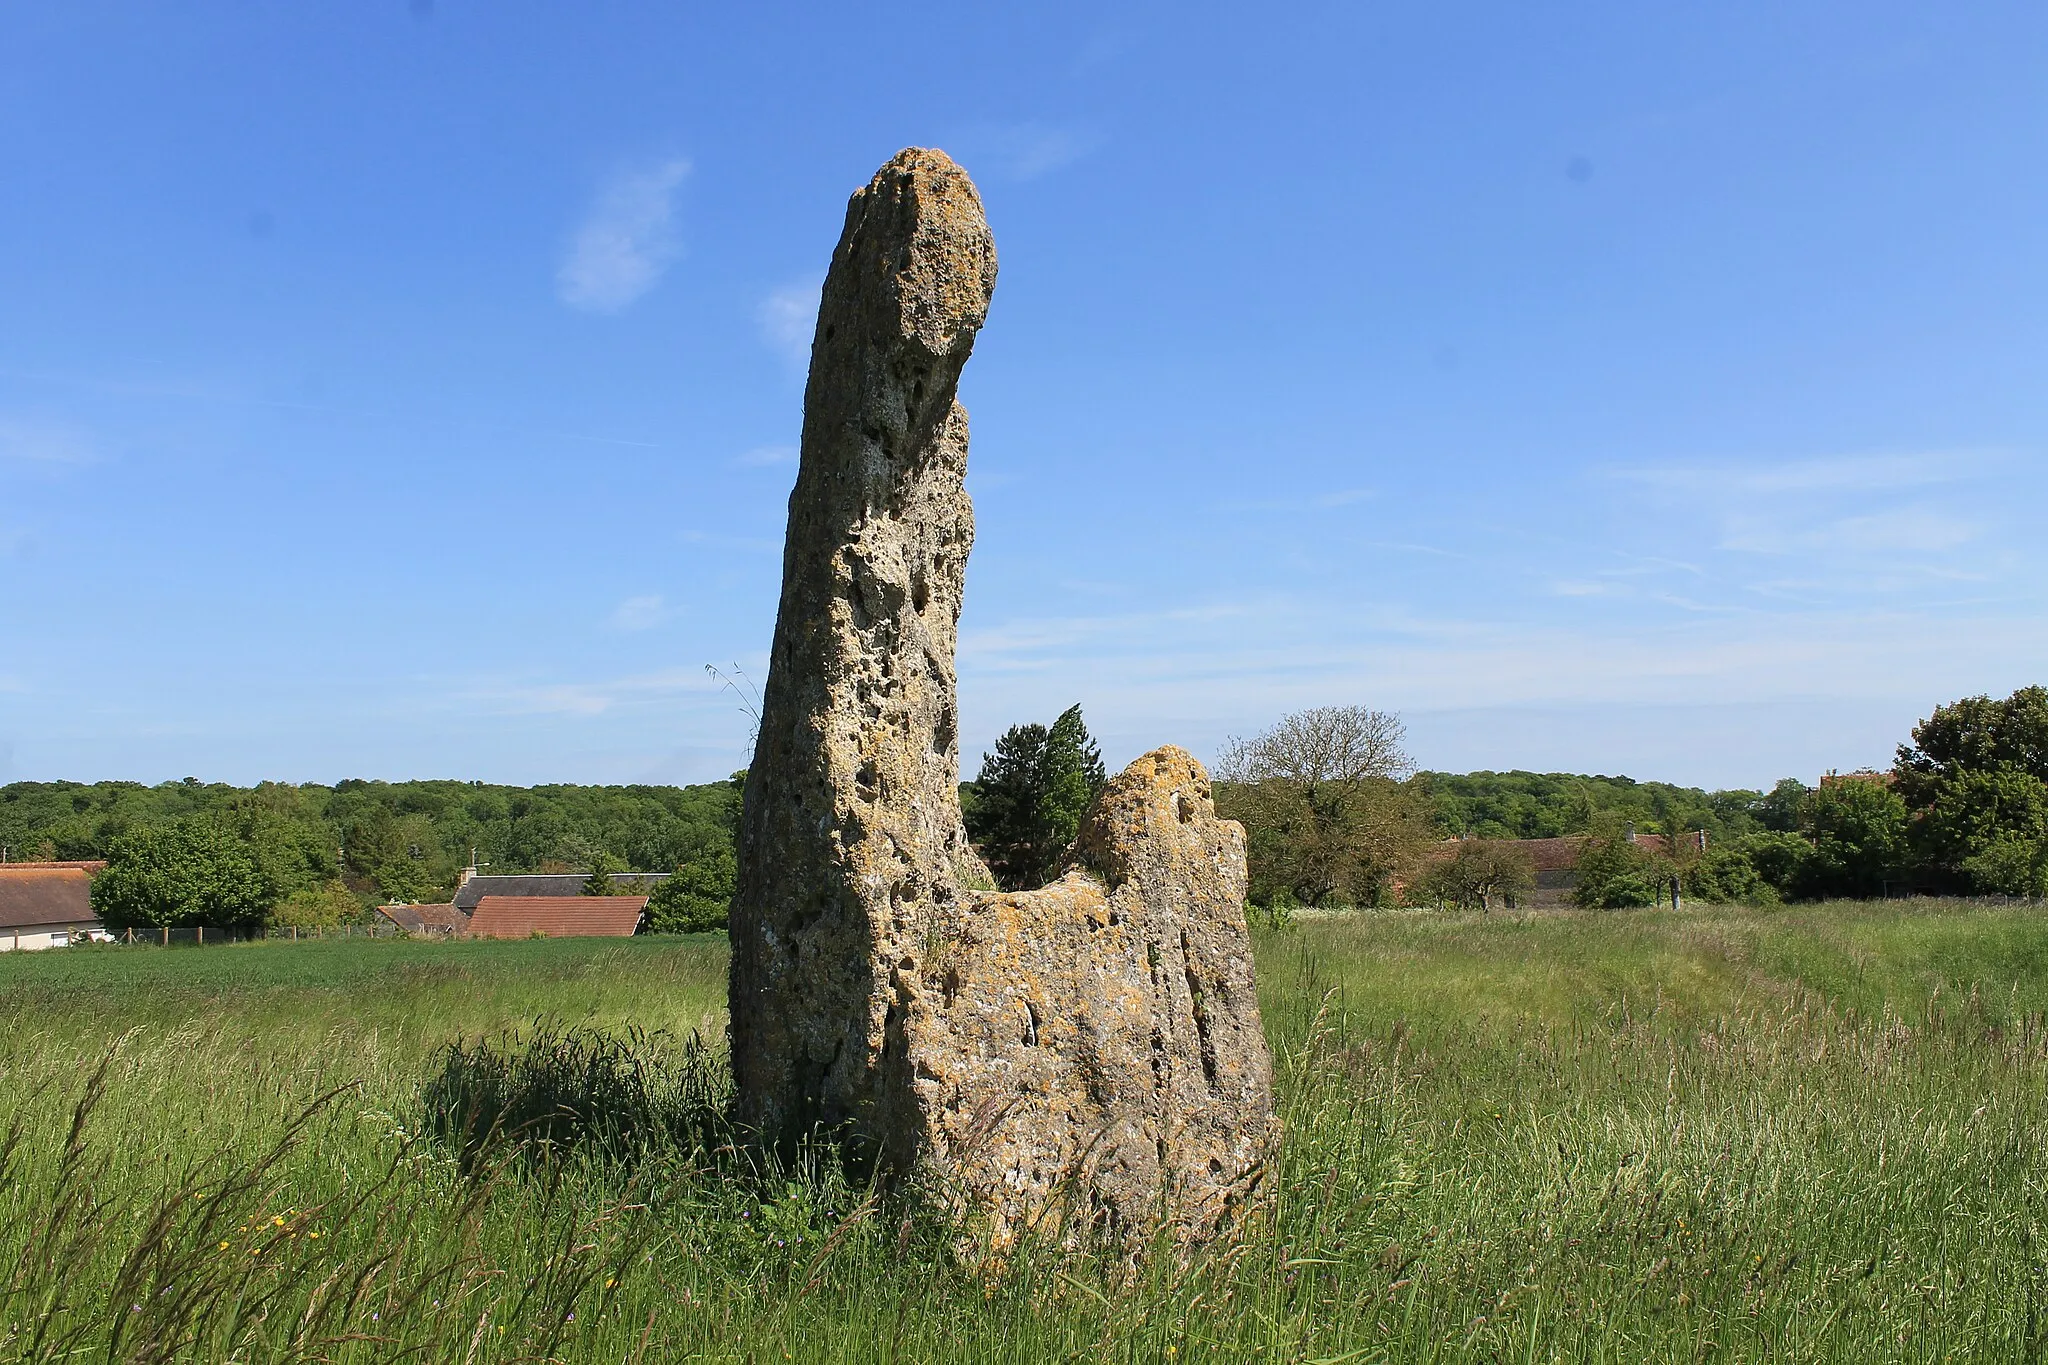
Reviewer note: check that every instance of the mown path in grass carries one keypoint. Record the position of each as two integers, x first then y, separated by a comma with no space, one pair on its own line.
1813,1133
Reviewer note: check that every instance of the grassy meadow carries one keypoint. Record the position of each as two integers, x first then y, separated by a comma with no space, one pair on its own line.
1719,1134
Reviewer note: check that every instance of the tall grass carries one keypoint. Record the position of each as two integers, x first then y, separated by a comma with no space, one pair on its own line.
1813,1134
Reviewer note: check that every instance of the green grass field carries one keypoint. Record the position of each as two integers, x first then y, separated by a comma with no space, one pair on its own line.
1806,1134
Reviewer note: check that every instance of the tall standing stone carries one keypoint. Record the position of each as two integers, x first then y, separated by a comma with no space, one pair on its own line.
852,849
1086,1056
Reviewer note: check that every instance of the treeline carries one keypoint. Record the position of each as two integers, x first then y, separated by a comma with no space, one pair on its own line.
213,853
1334,812
1523,805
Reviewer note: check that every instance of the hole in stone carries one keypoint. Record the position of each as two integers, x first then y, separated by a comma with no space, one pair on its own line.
919,593
1030,1025
829,330
1183,809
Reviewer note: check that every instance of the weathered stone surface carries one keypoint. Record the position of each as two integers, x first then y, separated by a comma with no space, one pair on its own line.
1084,1056
851,847
1090,1054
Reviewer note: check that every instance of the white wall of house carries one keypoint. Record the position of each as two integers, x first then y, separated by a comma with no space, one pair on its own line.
30,937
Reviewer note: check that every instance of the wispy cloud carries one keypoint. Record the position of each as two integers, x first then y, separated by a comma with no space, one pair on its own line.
789,315
1022,151
639,613
763,457
1916,530
626,240
37,442
1827,474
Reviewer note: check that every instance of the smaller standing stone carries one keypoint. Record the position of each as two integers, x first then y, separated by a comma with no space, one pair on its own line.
1088,1058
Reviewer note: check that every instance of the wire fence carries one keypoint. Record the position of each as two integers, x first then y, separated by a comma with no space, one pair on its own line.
210,935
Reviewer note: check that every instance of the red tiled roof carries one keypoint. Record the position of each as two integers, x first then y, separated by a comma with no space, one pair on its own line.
416,919
82,864
1562,854
556,916
46,893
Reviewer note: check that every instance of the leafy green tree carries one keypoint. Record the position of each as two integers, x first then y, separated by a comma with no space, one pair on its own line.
1617,873
599,882
1783,808
1976,734
1975,783
1987,829
1476,875
1857,825
317,907
1778,858
1029,798
184,872
697,897
1327,815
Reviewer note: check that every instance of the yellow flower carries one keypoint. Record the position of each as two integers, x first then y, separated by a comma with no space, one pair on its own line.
223,1246
312,1236
277,1219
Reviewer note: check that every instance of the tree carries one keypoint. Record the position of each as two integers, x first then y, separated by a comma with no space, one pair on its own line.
1476,874
1779,859
1975,783
599,882
1781,809
317,907
697,897
1325,811
1617,873
1858,828
185,872
1975,734
1029,798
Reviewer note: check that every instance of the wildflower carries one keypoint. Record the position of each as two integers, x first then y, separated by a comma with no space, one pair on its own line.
609,1283
277,1220
223,1246
312,1236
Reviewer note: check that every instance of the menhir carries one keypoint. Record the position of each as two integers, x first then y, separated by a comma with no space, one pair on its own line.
1086,1058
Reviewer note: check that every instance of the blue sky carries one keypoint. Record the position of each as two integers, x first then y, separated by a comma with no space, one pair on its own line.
407,390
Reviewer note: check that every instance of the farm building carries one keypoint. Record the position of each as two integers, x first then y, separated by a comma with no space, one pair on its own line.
47,905
1556,861
557,916
426,919
475,886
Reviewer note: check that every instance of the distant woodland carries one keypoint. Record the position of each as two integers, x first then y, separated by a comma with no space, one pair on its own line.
1964,809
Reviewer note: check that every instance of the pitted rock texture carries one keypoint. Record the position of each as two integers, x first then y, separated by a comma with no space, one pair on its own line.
1086,1058
851,847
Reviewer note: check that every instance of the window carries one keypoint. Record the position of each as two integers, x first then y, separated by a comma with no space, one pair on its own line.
60,938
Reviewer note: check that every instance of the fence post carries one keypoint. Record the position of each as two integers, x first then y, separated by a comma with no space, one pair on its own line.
202,936
167,936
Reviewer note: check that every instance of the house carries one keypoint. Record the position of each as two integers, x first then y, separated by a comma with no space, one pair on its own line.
1556,861
47,905
475,886
444,920
557,916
